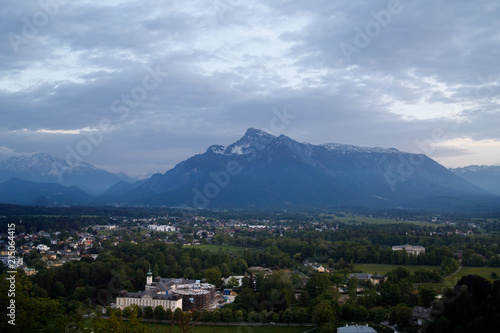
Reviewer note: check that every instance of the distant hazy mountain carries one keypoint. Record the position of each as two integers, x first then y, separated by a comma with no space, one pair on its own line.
483,176
122,187
264,171
44,168
22,192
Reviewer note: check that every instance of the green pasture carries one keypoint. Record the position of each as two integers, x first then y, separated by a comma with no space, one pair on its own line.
448,282
217,247
464,271
383,269
373,220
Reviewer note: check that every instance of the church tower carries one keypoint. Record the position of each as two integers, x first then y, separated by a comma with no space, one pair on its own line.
149,279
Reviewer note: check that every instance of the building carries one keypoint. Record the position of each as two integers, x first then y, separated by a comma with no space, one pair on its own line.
411,249
104,227
170,294
374,279
42,247
196,296
356,329
12,262
161,228
238,278
317,267
419,314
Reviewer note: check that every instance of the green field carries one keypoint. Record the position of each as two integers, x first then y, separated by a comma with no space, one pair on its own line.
217,247
231,329
464,271
383,269
449,282
373,220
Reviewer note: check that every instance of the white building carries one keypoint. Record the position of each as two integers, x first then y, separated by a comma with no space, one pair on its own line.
238,278
42,247
162,228
152,297
356,329
411,249
170,294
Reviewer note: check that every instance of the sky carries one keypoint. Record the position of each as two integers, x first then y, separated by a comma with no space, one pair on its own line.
139,86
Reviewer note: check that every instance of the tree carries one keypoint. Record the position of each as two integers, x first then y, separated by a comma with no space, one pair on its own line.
148,312
329,327
177,314
134,321
354,312
159,313
245,300
224,270
317,284
226,314
403,313
323,313
184,322
232,282
239,316
398,274
58,290
213,276
301,315
216,316
427,296
352,287
304,298
253,317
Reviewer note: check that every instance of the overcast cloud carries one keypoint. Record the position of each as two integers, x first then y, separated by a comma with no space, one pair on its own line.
147,84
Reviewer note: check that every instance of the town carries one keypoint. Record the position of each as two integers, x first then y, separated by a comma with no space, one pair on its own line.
281,268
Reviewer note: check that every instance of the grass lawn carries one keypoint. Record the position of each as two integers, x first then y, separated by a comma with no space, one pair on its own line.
373,220
383,269
449,282
231,329
480,271
216,247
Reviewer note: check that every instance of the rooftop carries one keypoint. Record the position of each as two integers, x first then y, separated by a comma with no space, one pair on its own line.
356,329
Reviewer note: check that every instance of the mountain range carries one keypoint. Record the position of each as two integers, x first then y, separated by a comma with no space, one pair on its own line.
483,176
263,171
44,168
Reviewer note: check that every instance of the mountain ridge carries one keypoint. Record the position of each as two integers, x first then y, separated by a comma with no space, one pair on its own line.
263,171
277,171
483,176
45,168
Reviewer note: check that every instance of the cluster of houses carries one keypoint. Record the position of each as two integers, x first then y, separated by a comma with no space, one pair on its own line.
58,252
318,267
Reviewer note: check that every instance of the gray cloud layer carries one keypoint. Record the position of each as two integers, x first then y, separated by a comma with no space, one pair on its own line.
379,73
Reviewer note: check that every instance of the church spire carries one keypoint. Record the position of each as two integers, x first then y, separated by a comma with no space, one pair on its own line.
149,278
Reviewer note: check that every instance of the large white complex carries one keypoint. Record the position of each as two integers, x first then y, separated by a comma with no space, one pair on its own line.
153,296
170,294
411,249
162,228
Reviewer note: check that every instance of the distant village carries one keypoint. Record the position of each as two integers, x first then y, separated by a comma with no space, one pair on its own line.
57,248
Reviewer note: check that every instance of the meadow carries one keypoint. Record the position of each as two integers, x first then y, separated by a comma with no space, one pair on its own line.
383,269
448,282
373,220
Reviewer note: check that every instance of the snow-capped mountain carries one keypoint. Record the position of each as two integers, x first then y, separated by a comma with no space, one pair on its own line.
44,168
265,171
483,176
